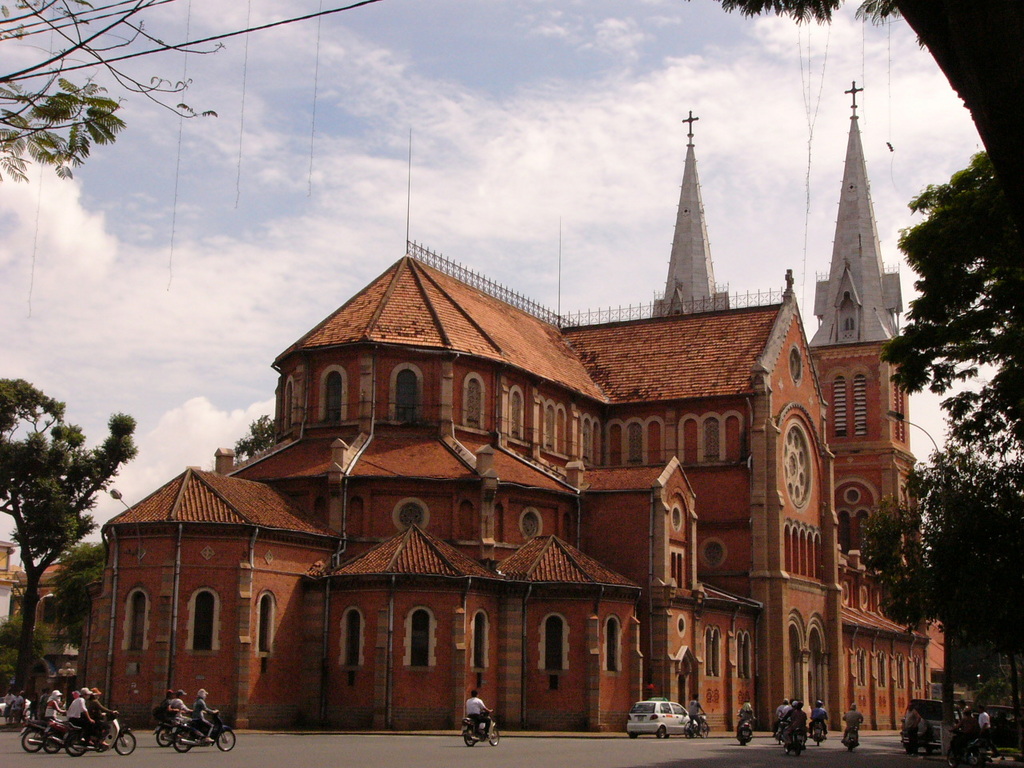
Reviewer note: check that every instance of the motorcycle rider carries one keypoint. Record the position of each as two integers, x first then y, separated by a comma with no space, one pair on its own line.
199,710
964,732
478,712
177,705
853,719
100,714
78,714
53,707
797,721
745,715
820,715
780,714
695,711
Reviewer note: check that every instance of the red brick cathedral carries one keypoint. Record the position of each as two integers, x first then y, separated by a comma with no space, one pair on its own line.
567,514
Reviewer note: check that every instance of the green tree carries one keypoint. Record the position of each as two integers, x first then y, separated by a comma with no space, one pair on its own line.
80,566
953,558
969,316
977,46
48,483
260,437
10,636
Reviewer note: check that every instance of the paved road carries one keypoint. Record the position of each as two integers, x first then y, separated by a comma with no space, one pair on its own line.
266,750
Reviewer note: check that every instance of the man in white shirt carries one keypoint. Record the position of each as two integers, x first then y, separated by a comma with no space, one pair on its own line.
477,711
78,713
985,726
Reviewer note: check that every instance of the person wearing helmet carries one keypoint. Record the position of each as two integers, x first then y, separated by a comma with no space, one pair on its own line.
78,713
177,704
853,719
199,710
820,715
797,721
53,705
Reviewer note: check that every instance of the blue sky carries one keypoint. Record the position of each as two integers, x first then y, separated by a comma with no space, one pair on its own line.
180,261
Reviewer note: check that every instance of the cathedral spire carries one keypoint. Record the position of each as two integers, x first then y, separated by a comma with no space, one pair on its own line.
858,301
691,278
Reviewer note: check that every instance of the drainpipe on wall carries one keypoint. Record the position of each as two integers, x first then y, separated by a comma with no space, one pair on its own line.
324,651
650,588
173,639
113,609
523,660
390,667
579,518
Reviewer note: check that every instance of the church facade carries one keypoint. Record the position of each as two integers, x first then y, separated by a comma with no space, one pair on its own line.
470,492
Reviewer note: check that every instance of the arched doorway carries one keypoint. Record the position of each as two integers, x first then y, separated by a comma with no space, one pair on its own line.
796,664
818,681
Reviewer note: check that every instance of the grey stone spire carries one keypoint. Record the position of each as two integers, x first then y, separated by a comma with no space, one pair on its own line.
691,278
859,301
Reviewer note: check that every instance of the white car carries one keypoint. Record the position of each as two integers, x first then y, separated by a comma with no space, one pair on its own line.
658,716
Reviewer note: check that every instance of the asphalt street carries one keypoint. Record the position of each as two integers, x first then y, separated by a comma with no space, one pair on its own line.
279,750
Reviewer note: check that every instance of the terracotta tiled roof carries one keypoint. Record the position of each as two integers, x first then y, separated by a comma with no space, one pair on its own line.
622,478
206,497
714,593
865,619
390,455
676,357
549,559
513,468
310,457
415,305
414,552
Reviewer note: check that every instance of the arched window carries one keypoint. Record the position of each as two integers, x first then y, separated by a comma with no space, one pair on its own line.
419,642
289,404
611,644
712,652
407,396
588,441
635,443
353,634
883,661
515,414
265,638
472,403
479,641
860,404
844,530
839,406
743,655
847,318
862,667
554,651
549,427
137,613
334,388
712,440
204,621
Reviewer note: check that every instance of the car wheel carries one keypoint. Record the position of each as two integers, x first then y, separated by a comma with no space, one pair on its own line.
662,733
633,734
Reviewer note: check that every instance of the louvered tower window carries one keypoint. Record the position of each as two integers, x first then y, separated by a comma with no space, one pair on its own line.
839,405
516,416
712,443
860,404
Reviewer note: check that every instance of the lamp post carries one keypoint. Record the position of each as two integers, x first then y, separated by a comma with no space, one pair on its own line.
897,416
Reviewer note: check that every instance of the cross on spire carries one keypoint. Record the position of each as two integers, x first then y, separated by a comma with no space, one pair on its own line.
690,120
854,90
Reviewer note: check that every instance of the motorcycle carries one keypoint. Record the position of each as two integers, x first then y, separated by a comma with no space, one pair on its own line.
698,727
116,734
32,738
818,732
975,752
744,733
55,736
186,735
165,730
851,739
472,733
796,741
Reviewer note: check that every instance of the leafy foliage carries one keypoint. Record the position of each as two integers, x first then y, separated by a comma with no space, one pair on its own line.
10,634
969,317
49,479
80,566
260,437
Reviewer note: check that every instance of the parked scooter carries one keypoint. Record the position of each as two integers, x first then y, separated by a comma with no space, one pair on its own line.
472,733
187,735
851,739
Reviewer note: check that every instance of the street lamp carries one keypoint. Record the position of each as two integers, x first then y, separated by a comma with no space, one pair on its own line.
897,416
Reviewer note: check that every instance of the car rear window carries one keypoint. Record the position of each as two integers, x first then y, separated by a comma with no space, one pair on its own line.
642,708
929,709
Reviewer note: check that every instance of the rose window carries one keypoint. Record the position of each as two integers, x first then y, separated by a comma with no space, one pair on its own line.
798,466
